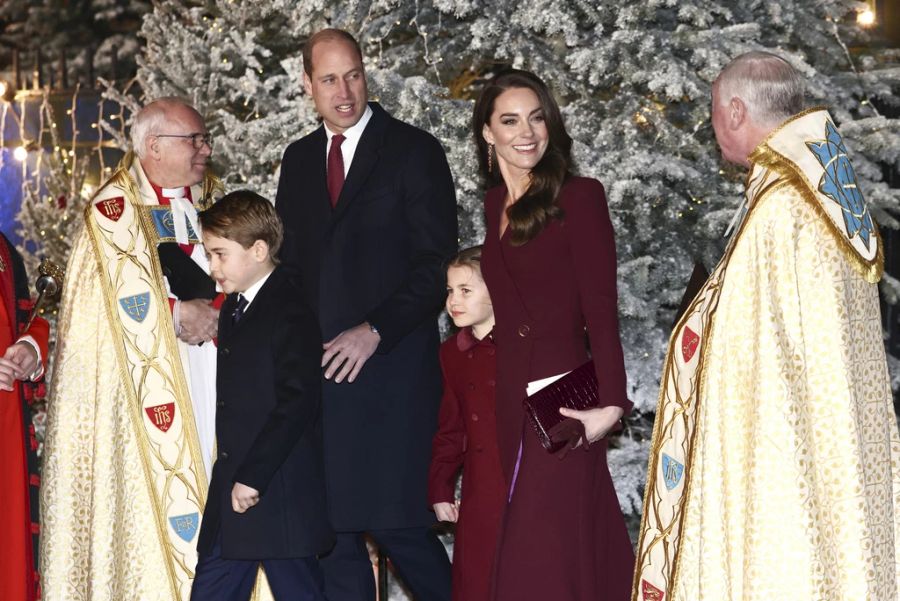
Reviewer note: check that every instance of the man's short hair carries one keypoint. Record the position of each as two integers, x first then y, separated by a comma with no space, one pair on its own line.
770,87
150,119
327,35
244,217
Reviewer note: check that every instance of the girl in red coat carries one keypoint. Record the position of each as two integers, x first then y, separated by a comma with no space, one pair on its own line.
467,432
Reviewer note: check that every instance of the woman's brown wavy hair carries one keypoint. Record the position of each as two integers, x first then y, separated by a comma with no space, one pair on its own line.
533,211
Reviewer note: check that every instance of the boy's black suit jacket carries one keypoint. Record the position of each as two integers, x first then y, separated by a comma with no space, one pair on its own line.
268,429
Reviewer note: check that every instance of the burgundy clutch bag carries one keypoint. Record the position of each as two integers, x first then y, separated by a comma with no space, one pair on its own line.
575,390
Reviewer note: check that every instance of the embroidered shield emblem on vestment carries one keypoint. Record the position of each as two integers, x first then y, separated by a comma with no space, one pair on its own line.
165,225
185,526
136,306
672,471
689,342
650,592
111,208
161,416
839,184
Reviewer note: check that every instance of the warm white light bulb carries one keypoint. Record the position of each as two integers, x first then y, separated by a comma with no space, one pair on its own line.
866,17
20,154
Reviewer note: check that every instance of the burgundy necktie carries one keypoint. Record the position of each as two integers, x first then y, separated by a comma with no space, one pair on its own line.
335,169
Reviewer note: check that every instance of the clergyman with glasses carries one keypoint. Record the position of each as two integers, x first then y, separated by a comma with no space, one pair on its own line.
131,422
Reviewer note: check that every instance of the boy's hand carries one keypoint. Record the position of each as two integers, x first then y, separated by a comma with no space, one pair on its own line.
243,497
447,512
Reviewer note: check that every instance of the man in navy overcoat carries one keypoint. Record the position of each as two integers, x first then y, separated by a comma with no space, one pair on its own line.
369,210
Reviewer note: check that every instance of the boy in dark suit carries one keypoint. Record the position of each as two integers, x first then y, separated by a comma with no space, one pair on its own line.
266,502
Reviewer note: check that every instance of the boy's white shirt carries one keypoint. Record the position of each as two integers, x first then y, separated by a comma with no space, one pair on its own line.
251,292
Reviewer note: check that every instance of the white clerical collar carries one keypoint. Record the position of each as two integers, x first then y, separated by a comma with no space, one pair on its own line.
353,133
251,292
174,192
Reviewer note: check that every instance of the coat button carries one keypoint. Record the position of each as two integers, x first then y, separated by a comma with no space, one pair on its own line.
223,455
491,352
491,383
223,351
474,417
471,386
523,330
220,404
470,354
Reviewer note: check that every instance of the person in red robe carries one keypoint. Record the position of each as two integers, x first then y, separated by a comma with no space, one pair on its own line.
549,261
21,369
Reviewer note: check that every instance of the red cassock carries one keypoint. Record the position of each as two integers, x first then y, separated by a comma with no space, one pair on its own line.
467,438
564,537
18,459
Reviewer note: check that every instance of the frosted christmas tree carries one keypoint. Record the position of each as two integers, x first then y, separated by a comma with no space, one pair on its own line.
634,83
97,36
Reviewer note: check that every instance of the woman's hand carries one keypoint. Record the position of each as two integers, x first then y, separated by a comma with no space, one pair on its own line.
447,512
597,422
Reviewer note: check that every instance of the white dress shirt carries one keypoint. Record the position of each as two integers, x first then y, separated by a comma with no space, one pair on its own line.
251,292
352,135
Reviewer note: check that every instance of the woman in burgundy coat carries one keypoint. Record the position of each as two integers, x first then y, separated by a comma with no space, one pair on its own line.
467,432
549,261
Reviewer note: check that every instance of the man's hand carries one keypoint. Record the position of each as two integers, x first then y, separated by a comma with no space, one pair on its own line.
597,422
18,363
447,512
199,321
243,497
8,371
349,351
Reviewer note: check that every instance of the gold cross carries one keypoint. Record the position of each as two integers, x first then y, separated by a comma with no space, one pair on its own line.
134,305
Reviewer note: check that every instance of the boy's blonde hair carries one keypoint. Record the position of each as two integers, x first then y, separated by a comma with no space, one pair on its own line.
245,217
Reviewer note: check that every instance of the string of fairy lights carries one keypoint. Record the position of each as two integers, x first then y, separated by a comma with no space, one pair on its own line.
59,165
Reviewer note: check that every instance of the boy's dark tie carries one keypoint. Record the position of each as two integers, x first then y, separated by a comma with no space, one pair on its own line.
335,168
239,310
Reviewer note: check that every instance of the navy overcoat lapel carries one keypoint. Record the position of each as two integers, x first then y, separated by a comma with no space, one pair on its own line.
318,184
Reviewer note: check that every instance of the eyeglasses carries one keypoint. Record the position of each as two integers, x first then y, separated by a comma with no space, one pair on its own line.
198,139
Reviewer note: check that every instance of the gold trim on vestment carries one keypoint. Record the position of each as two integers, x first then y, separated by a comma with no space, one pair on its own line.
180,382
708,297
150,366
787,122
872,270
764,155
118,340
